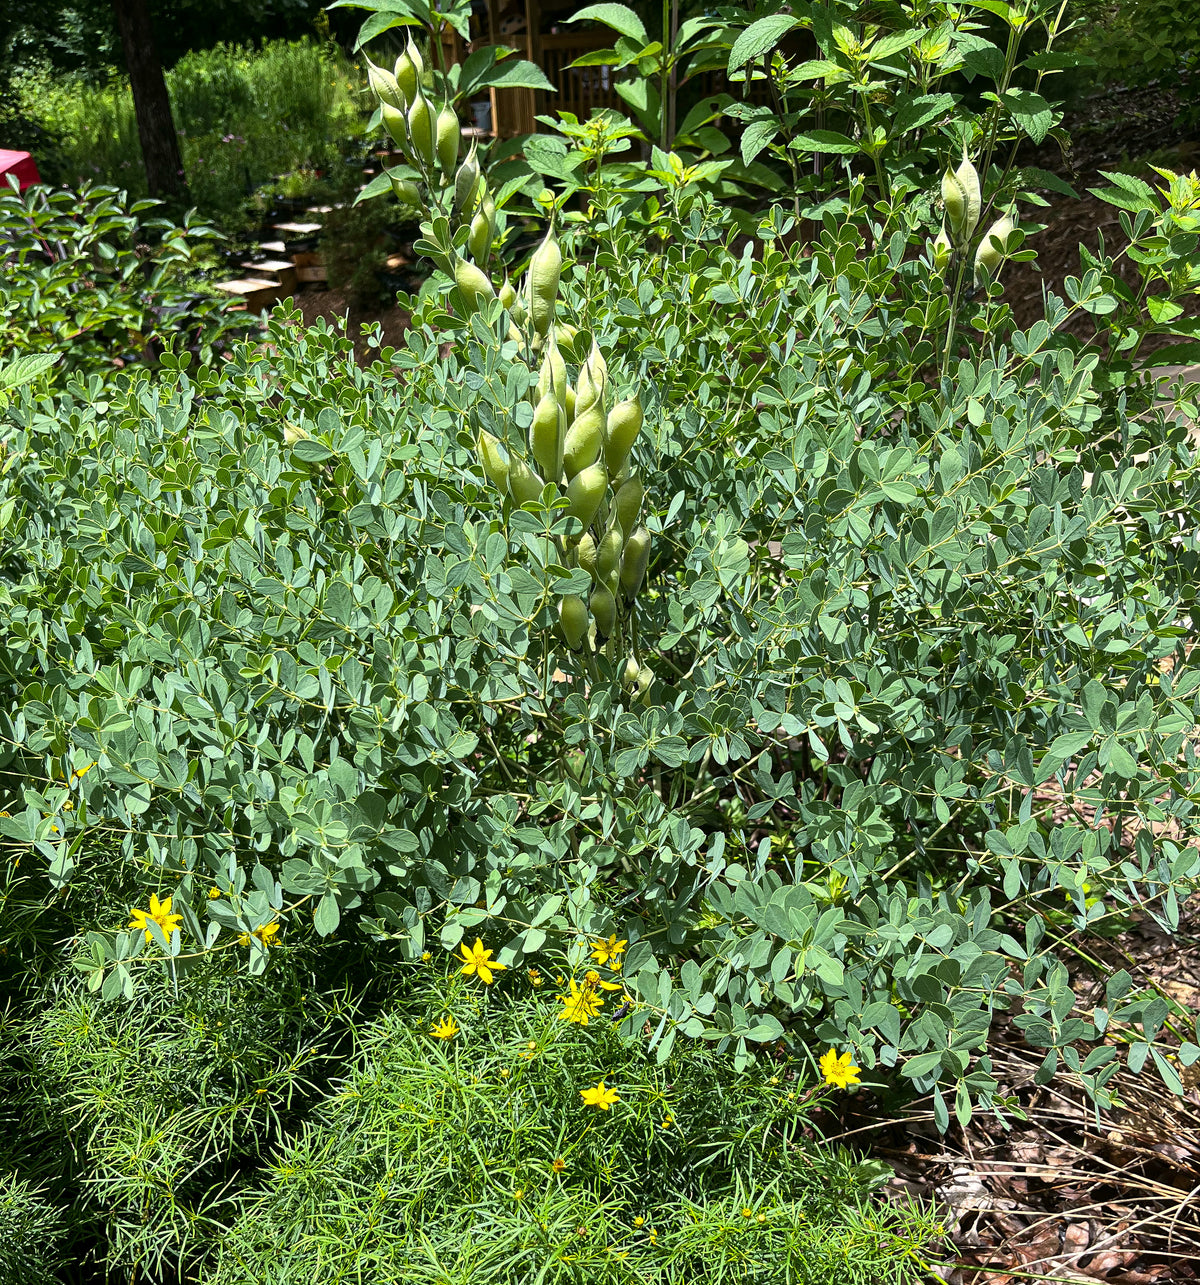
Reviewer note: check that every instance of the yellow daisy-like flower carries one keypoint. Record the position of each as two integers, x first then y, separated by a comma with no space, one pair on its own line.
505,1073
592,979
638,1221
599,1096
558,1164
213,894
747,1213
535,977
838,1071
160,914
479,962
265,933
580,1005
762,1218
425,957
652,1234
445,1028
605,950
667,1122
519,1194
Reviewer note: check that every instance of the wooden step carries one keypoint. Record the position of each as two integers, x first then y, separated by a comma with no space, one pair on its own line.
256,292
282,270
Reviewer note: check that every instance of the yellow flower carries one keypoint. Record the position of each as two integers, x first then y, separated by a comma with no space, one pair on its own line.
445,1028
603,950
479,962
535,977
667,1122
599,1096
266,933
580,1005
638,1221
747,1213
160,914
425,957
519,1194
213,894
592,979
762,1218
505,1073
652,1233
838,1071
558,1164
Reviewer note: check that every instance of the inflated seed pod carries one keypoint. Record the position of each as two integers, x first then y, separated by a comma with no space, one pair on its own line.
624,423
447,133
545,268
479,238
628,502
604,611
584,493
524,485
645,681
608,553
384,86
474,286
557,367
466,185
585,553
494,459
634,561
543,435
963,198
406,191
573,620
629,675
593,376
942,249
584,441
396,124
420,129
569,406
293,433
508,295
990,254
410,67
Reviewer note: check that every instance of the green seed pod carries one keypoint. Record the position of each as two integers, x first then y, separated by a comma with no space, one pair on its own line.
410,67
645,680
494,459
508,295
584,440
473,285
524,485
545,268
628,503
584,493
585,554
573,620
557,369
990,254
466,185
593,376
634,562
479,239
448,133
407,192
569,406
384,86
942,249
293,433
608,553
624,423
629,675
396,124
961,193
420,129
543,435
604,611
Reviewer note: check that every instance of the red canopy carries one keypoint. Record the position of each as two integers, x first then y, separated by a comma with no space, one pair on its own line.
18,163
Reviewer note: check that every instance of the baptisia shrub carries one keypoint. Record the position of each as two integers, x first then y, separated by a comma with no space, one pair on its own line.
917,577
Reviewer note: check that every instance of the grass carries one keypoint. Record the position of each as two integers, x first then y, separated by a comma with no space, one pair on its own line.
244,118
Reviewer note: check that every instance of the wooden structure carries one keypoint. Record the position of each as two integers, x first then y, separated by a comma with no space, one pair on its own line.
538,30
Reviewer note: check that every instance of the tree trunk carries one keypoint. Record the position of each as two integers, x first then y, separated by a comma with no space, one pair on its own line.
156,126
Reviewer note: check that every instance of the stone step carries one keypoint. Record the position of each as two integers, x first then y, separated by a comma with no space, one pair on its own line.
282,270
298,231
273,247
255,292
